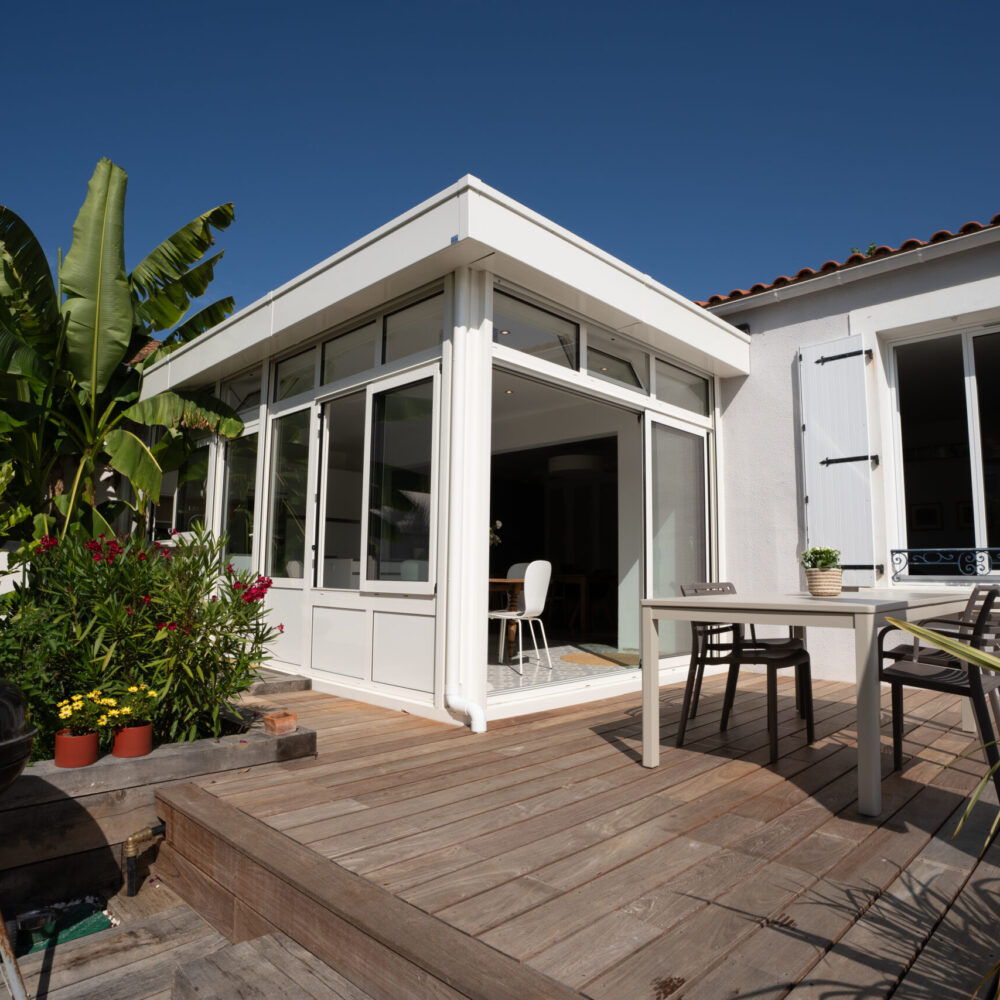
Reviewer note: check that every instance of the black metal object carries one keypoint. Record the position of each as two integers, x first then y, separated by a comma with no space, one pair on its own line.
16,735
867,352
954,562
852,458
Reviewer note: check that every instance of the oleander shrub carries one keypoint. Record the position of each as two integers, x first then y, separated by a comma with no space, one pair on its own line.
110,613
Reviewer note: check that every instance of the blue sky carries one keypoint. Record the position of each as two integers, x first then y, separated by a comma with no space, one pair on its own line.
709,146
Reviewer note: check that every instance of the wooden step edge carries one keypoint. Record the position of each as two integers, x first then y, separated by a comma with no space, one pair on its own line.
307,896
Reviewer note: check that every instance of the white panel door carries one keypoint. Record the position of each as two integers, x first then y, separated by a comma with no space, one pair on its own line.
837,461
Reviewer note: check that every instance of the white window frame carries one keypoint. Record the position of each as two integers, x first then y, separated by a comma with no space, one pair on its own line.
968,336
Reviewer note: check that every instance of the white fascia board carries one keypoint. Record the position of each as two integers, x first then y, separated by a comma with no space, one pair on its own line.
465,223
633,302
858,272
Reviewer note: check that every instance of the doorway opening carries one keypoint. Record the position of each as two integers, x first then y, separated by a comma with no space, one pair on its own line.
566,486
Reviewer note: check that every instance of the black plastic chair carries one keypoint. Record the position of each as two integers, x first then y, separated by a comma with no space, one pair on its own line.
913,665
725,645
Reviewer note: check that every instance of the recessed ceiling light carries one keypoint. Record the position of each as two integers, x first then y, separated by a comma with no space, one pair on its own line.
604,369
509,392
503,333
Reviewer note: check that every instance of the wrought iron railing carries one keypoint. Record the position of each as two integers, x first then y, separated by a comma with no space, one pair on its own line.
945,564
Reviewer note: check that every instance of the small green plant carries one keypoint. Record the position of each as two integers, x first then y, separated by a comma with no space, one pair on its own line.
820,558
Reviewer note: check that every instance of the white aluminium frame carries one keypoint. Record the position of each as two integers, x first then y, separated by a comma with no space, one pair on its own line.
650,421
428,371
968,336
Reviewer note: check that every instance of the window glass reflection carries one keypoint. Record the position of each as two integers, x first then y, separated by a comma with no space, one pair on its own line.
239,499
350,353
289,490
294,375
535,331
682,388
414,329
345,456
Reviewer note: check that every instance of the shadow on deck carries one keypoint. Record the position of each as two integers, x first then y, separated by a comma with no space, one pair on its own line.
541,860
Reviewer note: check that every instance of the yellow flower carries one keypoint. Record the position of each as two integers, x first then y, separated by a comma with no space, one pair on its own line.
113,712
60,704
133,689
111,701
126,710
102,721
152,694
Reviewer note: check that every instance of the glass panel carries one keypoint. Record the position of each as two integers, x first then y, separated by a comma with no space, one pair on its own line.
243,391
934,427
287,519
294,375
417,328
190,498
345,457
534,331
676,386
239,499
986,351
680,531
611,358
350,353
400,490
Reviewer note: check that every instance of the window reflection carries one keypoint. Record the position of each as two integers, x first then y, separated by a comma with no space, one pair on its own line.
239,497
682,388
289,489
616,360
534,331
400,487
416,328
345,456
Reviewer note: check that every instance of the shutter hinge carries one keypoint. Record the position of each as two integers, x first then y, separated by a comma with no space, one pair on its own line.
852,458
867,352
806,500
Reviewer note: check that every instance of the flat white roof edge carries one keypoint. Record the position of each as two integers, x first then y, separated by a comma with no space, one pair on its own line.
465,184
570,237
870,269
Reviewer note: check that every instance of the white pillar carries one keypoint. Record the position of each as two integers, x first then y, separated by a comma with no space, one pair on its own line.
466,594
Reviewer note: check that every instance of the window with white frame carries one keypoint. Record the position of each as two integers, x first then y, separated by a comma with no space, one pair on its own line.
239,496
535,331
289,489
949,440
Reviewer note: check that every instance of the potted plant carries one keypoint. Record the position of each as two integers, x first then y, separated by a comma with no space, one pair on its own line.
83,715
824,577
131,715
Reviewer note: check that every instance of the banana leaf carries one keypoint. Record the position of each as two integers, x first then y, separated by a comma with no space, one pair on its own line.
960,650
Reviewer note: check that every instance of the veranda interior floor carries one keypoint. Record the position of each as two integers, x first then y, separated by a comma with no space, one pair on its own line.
714,875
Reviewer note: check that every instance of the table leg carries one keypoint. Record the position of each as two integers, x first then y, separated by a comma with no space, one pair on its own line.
650,659
869,709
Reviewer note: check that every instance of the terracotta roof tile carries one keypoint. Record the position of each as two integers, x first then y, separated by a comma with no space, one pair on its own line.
855,258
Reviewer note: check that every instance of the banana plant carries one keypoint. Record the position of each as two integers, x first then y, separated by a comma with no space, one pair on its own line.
70,390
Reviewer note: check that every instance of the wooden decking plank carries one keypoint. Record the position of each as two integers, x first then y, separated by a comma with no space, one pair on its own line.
288,877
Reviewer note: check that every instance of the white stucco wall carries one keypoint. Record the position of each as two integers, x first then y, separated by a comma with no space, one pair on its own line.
938,290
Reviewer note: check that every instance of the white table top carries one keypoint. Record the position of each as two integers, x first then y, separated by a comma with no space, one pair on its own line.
849,602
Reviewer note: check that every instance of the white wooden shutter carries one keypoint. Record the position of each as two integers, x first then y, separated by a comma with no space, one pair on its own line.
836,458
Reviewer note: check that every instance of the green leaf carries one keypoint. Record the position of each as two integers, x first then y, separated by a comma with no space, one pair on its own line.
175,255
18,358
167,305
186,408
954,647
26,286
205,319
98,300
132,458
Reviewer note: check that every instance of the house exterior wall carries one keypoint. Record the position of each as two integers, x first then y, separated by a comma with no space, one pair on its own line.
936,291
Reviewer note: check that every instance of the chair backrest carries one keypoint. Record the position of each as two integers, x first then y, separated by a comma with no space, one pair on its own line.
705,638
978,625
515,571
536,586
700,589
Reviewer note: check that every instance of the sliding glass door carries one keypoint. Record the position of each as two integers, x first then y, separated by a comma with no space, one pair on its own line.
677,518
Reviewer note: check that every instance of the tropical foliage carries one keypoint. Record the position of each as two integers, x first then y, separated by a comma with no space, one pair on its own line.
71,381
110,614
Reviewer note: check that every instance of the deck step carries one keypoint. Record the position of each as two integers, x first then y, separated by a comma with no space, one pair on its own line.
250,880
273,963
133,961
275,682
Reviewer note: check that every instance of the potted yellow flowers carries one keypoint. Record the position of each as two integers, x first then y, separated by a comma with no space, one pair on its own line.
83,715
132,720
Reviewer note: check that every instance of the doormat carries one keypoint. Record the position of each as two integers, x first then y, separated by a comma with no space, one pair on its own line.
603,656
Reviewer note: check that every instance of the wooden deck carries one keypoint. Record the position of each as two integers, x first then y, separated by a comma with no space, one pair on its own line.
711,876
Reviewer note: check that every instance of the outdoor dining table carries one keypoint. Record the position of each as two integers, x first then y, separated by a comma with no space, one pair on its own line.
863,611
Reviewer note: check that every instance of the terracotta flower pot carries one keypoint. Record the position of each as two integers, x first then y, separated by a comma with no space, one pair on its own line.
824,582
75,751
133,741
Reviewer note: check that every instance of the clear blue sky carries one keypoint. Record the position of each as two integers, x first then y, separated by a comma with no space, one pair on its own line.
708,145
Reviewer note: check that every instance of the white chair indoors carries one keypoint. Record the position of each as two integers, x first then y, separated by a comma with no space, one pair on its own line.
531,604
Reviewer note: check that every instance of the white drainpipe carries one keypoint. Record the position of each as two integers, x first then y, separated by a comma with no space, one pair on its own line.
468,499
